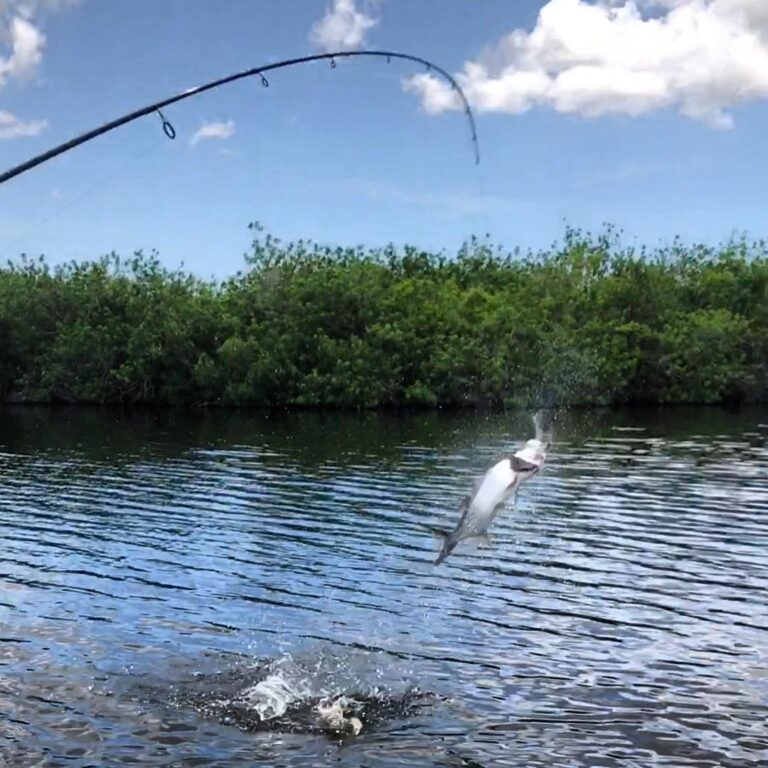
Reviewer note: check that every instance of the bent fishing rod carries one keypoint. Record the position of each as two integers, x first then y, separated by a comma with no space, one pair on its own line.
170,131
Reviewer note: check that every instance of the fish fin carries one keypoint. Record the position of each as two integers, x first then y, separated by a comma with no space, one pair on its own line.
464,506
449,544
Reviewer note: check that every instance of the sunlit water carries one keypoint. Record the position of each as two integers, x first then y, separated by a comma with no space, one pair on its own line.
198,590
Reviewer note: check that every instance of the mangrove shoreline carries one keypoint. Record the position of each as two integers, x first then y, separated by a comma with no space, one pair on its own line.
586,323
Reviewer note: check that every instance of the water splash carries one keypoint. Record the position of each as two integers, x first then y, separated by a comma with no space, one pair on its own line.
543,425
325,693
285,684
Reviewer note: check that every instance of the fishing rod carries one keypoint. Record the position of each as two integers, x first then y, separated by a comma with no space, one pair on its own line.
170,131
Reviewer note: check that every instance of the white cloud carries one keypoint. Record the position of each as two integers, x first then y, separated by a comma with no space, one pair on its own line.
343,28
220,130
21,52
25,43
626,57
11,127
29,8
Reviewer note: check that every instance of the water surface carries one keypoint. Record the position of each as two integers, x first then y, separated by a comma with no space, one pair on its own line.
181,590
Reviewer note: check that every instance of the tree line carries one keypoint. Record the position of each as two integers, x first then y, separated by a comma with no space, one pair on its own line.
587,322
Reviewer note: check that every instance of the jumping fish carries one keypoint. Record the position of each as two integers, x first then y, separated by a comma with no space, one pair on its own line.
492,491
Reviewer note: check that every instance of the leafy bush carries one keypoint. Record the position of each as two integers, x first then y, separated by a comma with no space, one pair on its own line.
586,323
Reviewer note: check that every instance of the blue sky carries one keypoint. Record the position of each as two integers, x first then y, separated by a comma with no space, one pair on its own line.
349,156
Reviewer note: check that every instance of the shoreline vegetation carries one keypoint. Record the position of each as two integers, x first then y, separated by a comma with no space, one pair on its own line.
587,323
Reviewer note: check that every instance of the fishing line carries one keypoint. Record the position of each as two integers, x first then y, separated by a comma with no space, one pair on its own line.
483,214
42,223
170,131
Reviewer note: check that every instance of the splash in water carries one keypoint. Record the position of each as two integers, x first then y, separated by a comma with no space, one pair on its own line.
291,695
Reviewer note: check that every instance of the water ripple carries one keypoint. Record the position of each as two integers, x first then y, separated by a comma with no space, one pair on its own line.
617,618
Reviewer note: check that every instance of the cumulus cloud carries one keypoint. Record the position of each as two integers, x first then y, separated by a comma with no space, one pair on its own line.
24,44
21,41
343,28
21,52
11,127
625,57
220,130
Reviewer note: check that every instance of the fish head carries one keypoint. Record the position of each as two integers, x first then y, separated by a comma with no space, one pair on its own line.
535,451
529,459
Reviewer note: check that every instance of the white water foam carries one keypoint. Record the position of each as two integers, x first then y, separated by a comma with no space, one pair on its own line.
286,684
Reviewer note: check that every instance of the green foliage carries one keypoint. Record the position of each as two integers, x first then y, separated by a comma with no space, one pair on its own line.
586,323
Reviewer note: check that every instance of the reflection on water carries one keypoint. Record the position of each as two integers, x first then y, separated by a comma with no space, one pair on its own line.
170,583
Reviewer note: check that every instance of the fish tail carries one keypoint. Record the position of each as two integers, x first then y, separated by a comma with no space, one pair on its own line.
448,545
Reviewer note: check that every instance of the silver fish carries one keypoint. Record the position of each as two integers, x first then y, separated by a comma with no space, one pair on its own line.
491,493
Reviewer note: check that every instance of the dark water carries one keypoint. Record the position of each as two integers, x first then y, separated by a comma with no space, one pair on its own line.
193,591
